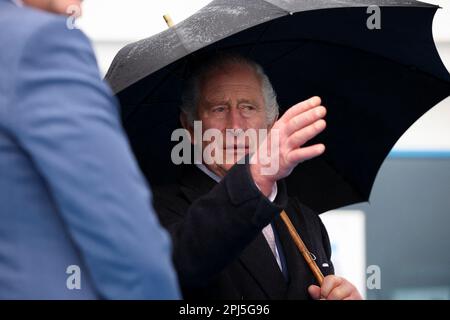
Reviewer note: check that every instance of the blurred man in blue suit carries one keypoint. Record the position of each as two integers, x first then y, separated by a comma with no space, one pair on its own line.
75,213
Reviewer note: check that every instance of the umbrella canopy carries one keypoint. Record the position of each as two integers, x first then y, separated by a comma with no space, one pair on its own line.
375,83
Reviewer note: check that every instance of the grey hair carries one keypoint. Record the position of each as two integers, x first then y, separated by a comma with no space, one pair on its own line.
191,91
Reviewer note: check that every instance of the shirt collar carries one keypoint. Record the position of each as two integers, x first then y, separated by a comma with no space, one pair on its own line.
208,172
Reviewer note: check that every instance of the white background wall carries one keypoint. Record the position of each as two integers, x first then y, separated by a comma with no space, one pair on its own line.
113,23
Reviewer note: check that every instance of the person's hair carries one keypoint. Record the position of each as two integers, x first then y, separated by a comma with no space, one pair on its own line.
191,91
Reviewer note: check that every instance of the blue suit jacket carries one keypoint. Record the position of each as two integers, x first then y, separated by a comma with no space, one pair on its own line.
70,190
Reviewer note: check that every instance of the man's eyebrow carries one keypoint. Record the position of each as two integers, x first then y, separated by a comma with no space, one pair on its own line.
213,102
250,101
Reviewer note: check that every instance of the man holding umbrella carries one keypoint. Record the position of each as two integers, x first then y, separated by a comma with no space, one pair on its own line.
229,241
372,81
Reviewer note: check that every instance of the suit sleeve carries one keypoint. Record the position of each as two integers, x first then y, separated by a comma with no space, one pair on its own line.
218,226
65,119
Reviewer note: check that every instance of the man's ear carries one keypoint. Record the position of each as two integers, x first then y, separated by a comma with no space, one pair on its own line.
187,125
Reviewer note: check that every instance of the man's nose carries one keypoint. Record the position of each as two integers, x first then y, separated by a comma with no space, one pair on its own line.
235,120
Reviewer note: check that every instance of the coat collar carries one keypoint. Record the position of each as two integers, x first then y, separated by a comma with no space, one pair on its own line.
300,275
257,258
194,183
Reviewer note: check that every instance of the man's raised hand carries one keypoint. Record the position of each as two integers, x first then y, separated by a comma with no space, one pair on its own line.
298,125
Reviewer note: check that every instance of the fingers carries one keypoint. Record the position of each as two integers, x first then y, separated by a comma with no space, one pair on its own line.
341,292
302,136
329,283
314,292
301,107
337,288
305,119
302,154
298,125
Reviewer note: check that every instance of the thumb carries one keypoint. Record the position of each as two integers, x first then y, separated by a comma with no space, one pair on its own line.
314,292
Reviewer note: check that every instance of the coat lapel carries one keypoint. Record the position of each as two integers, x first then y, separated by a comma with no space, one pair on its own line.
194,183
300,276
257,258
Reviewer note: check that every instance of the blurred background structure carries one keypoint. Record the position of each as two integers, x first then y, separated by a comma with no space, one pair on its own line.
404,232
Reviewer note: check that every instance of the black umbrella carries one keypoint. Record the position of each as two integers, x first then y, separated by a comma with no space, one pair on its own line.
375,83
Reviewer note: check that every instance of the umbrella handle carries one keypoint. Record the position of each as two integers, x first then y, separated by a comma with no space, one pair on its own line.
168,20
302,248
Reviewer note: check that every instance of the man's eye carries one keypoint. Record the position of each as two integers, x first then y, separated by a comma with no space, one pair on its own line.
248,107
218,109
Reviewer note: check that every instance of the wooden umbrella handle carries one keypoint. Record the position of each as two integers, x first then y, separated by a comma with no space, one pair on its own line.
301,246
168,20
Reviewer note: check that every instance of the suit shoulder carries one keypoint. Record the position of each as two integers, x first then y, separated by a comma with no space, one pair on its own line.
34,33
42,41
313,223
21,24
310,216
303,208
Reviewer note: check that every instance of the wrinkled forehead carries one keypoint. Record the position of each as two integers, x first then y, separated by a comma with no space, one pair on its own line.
230,94
224,81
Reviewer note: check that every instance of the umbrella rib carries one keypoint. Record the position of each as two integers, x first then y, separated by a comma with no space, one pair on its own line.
259,38
288,52
174,28
311,40
278,7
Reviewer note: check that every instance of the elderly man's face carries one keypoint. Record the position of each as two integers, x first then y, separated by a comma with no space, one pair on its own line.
231,98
